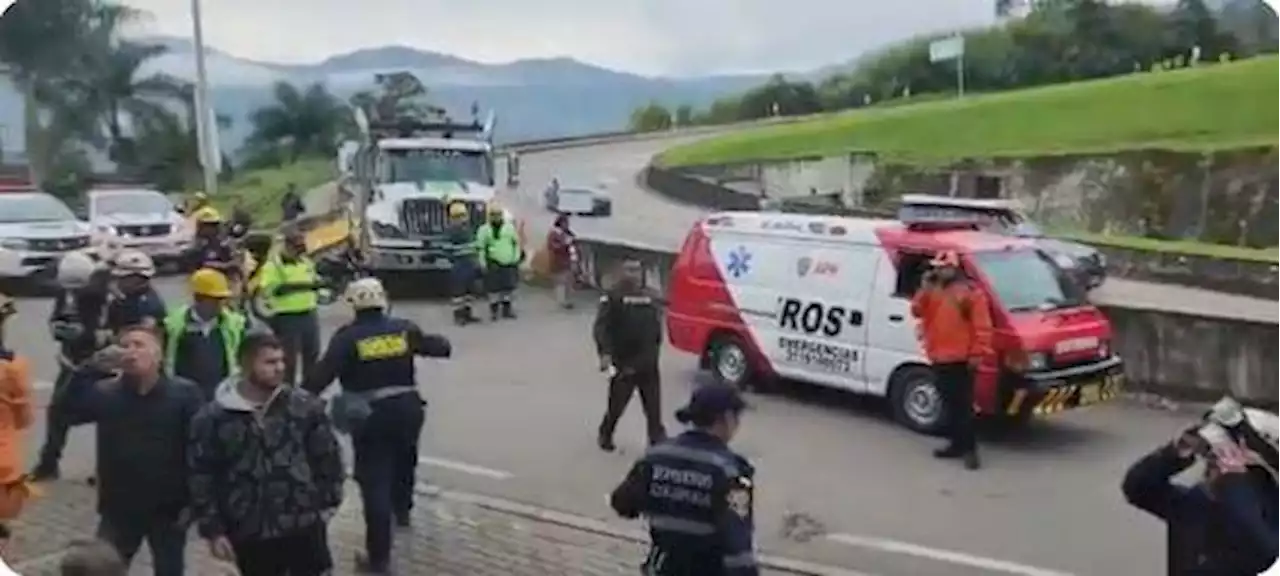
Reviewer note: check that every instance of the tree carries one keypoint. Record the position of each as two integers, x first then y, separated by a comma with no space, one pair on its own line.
652,117
299,123
123,98
403,95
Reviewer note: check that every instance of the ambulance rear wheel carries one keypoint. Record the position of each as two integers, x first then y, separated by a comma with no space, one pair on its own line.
916,401
727,358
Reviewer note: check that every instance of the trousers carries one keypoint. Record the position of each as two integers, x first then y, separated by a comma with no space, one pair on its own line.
167,540
955,384
305,553
622,387
59,426
386,460
299,334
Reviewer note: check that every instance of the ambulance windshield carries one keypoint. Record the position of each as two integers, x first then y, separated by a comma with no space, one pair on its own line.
1027,280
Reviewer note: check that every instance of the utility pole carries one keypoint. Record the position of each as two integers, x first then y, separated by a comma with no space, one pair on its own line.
210,157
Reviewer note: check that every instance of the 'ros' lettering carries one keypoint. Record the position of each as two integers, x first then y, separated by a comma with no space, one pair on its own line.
813,317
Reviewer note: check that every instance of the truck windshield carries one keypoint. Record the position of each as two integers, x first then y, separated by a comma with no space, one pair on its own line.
1027,280
434,165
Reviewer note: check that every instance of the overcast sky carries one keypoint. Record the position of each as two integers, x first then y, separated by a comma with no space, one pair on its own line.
678,37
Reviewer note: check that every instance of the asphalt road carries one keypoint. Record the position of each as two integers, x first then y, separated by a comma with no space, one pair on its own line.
650,219
513,416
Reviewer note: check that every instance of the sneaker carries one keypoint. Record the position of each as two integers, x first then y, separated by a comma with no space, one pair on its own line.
606,443
971,461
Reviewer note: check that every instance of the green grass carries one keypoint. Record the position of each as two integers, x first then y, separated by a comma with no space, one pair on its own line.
1178,247
1211,107
262,189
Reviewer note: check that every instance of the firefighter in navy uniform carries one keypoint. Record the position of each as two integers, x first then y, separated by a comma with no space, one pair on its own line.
696,493
134,301
628,335
379,405
79,312
465,271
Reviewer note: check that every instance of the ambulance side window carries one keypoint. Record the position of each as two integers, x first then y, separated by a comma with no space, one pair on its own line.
911,269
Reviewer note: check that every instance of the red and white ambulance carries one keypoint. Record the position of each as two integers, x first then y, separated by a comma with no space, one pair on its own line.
826,300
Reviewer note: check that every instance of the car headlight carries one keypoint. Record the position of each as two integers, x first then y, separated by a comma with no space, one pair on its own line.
1037,361
385,230
14,244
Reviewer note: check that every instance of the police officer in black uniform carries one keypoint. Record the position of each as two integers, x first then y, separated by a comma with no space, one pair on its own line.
372,358
134,301
628,335
696,493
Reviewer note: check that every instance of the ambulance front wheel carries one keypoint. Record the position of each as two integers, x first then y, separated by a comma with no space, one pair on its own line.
727,359
915,400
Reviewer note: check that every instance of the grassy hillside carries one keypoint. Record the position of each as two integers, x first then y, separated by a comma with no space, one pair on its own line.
1206,108
262,189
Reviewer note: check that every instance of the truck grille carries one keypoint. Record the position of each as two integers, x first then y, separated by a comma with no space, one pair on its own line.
428,217
146,231
58,244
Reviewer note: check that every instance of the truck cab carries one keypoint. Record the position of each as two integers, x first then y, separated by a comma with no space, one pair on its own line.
402,179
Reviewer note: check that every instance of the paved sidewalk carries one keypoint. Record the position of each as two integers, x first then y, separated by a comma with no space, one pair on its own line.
449,538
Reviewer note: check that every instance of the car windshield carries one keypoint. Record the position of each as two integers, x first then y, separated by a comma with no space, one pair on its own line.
33,208
132,203
1027,279
424,165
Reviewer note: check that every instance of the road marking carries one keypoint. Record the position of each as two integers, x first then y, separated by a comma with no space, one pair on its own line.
464,467
949,556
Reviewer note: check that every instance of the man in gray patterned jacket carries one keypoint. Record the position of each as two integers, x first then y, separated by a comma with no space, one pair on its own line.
266,471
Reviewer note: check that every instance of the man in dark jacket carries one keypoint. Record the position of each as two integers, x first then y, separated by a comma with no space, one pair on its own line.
266,471
1224,525
628,334
143,418
291,206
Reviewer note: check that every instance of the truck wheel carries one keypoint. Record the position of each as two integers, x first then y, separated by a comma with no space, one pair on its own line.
916,402
728,361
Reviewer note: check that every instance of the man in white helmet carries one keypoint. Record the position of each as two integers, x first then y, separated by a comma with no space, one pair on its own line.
135,302
1227,522
372,358
79,314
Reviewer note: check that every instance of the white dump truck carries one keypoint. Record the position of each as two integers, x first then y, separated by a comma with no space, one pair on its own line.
402,176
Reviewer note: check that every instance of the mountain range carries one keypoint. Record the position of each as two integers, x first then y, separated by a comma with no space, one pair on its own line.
535,98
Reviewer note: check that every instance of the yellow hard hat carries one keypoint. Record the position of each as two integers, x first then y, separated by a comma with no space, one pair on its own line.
208,215
457,209
210,283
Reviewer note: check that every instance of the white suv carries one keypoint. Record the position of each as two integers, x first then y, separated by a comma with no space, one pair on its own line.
36,230
139,219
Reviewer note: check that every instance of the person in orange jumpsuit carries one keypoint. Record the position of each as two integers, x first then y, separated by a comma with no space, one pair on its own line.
955,329
16,417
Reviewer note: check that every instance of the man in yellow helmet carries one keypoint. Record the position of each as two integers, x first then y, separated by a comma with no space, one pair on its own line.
461,239
498,243
201,340
289,282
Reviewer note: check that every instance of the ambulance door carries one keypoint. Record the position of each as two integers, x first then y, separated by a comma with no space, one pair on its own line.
820,332
891,329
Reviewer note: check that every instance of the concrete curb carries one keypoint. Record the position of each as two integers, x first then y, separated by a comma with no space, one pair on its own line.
600,528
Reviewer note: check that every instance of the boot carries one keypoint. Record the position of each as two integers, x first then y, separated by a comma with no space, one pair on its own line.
605,443
468,315
363,566
494,310
458,317
507,312
971,461
949,452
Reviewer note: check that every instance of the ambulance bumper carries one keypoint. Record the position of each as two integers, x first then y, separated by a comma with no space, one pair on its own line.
1055,391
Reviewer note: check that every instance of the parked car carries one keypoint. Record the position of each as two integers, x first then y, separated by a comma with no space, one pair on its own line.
577,200
37,230
139,219
1082,262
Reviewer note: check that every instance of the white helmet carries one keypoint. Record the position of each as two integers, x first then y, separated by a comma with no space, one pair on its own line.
133,263
75,270
366,294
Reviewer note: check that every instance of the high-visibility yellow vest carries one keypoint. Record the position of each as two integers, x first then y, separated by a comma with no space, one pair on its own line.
277,273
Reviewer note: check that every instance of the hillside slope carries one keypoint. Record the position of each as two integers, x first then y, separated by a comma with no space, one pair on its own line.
1206,108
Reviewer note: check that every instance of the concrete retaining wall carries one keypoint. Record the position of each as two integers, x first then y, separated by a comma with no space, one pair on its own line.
1186,357
1247,277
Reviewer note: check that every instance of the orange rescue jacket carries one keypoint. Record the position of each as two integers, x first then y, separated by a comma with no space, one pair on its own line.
16,416
955,322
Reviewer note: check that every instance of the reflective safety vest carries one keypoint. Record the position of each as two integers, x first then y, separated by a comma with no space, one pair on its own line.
500,246
277,273
231,326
